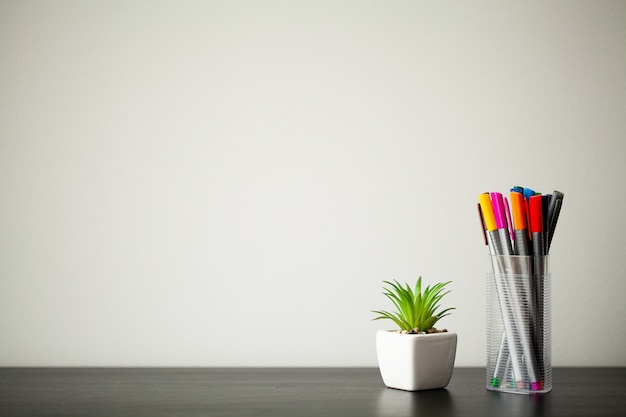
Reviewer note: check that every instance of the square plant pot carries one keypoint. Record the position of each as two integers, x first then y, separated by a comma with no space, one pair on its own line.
414,362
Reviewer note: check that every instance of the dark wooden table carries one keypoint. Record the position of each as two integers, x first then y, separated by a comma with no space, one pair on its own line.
293,392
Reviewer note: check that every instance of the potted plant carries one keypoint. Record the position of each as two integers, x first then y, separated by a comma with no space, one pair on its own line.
417,356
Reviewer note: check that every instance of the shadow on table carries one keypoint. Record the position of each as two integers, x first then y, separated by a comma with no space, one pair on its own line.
432,403
516,405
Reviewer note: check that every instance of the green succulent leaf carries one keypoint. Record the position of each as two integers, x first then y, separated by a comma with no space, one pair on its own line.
414,307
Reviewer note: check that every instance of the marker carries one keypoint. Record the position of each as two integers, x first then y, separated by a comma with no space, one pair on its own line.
482,223
519,212
554,210
536,229
536,224
503,359
508,219
497,203
519,224
545,202
497,246
487,209
530,286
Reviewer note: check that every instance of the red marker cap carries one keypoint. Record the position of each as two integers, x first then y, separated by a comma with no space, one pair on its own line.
536,215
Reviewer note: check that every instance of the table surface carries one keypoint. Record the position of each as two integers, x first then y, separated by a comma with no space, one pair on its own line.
294,392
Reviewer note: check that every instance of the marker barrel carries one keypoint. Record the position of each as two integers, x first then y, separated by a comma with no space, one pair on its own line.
522,246
518,329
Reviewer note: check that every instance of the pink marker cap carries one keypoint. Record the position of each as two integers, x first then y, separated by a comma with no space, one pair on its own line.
498,210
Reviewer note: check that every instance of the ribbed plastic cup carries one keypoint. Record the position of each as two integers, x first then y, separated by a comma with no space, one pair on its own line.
519,324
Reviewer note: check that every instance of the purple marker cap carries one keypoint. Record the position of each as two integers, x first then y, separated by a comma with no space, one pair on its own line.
535,386
498,210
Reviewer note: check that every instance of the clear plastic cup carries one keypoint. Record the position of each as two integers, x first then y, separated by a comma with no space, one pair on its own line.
519,324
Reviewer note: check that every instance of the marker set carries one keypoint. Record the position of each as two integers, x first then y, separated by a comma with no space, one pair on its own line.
519,234
533,221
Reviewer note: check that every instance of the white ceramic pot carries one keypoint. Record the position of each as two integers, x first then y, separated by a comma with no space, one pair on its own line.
414,362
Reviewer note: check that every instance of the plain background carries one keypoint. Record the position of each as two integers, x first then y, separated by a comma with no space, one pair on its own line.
227,183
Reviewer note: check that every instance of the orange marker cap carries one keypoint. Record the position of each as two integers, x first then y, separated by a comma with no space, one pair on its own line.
519,211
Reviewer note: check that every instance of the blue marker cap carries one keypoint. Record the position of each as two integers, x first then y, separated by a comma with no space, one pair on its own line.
528,193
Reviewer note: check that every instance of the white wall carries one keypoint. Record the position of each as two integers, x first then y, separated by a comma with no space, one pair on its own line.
228,183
